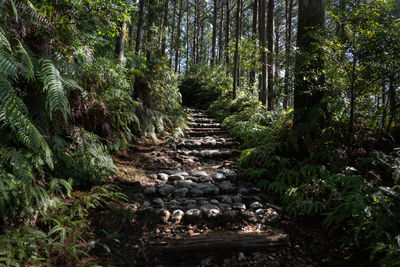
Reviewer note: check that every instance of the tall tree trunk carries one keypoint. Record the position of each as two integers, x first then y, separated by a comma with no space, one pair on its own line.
178,37
262,96
214,32
140,28
172,42
165,26
187,36
221,31
195,31
309,62
252,78
132,27
270,53
392,102
277,50
236,56
288,44
227,35
120,44
151,19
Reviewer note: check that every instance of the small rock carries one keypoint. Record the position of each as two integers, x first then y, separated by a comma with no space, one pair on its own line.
225,199
139,197
239,206
176,177
164,214
174,203
228,172
185,184
224,206
150,190
166,190
241,257
210,210
231,214
218,176
146,204
227,187
237,199
159,202
198,173
161,183
260,212
177,215
196,193
193,214
181,192
243,190
214,201
247,214
207,261
190,202
153,176
178,173
208,189
162,176
204,179
256,205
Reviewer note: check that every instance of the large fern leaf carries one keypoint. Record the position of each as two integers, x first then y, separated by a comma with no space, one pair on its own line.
12,112
56,99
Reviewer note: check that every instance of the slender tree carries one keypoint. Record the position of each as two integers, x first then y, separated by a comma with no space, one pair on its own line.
227,33
221,32
178,37
252,75
288,44
165,27
270,53
262,96
140,28
236,56
214,32
120,44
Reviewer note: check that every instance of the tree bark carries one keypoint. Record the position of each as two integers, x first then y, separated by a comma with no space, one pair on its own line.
236,56
140,29
120,44
214,33
221,31
178,37
288,44
262,96
132,28
270,54
276,64
165,26
309,63
252,75
227,35
172,43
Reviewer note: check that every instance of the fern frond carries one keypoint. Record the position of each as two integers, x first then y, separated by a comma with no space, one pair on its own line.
12,113
25,60
72,84
8,66
4,43
56,99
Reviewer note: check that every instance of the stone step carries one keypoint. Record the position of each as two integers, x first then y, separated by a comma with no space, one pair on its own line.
205,133
203,120
204,129
212,153
198,145
204,125
198,115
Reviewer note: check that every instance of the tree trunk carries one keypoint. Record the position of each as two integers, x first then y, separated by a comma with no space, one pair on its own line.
132,28
270,53
140,28
236,56
276,64
214,33
309,62
252,75
172,43
221,31
178,37
288,44
262,96
120,44
187,36
392,103
227,35
165,26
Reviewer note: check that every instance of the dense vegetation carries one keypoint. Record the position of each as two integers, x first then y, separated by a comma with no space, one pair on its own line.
311,91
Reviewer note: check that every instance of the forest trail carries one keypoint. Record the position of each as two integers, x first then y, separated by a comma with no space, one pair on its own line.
195,211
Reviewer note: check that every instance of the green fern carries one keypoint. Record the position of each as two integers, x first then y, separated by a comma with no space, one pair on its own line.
13,113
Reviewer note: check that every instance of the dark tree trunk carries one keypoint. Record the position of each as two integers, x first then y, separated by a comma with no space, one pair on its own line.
132,28
276,64
288,44
221,31
270,53
227,35
178,37
309,80
214,33
252,75
236,56
187,36
262,96
172,43
140,28
392,103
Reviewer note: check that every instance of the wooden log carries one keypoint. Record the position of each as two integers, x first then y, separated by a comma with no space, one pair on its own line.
222,241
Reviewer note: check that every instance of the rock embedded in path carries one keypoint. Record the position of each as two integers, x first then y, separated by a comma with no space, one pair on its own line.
228,172
150,190
182,173
190,202
196,192
166,190
177,215
243,190
208,189
176,177
153,176
181,192
256,205
225,199
239,206
224,206
162,176
159,202
198,173
164,214
210,210
204,179
218,176
227,187
139,197
193,215
185,184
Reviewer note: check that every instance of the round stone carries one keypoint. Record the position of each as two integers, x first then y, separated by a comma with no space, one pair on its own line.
260,212
164,214
176,177
193,214
153,176
256,205
159,202
228,172
162,176
181,192
243,190
227,187
177,215
166,190
225,199
190,202
239,206
214,201
198,173
196,193
218,176
174,202
185,184
150,190
210,210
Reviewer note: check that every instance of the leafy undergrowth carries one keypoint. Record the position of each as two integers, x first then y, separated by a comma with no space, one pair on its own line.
351,188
